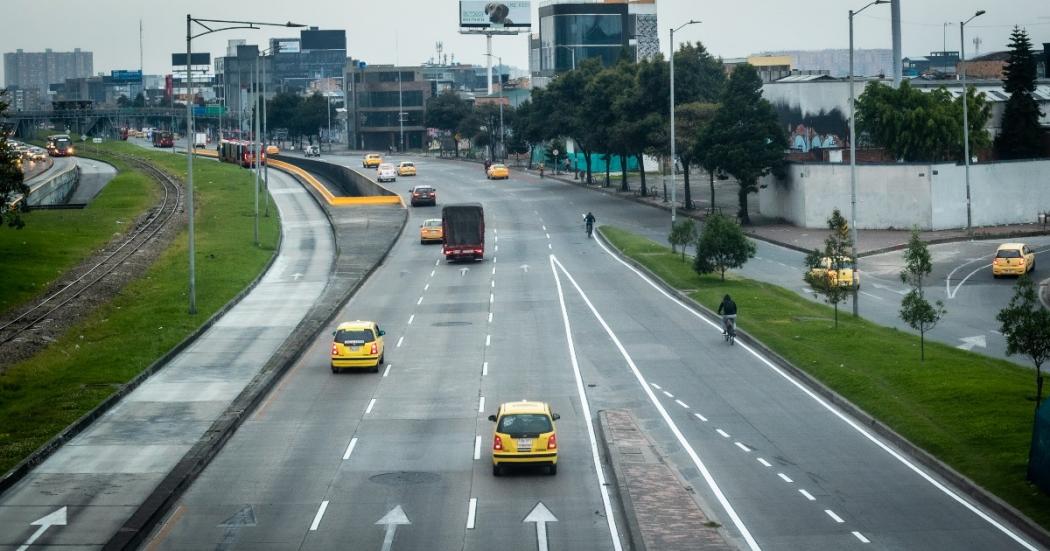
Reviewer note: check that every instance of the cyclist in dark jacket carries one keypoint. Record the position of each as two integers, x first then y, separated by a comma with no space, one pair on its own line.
728,311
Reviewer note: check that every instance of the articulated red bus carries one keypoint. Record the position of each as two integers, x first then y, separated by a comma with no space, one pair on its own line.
239,152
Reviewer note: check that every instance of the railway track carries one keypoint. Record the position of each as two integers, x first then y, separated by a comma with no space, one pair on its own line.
157,220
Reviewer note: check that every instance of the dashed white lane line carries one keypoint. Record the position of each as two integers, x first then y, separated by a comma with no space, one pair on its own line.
493,260
481,405
723,433
681,403
437,262
420,301
495,249
432,273
488,340
472,509
492,298
785,478
742,447
400,340
861,537
668,394
493,270
548,236
387,370
550,247
807,495
763,462
654,385
700,417
477,447
490,317
833,516
493,283
426,287
484,369
350,449
544,228
319,516
371,404
411,319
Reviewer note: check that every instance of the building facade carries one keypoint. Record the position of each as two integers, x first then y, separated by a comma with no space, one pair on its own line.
38,70
387,102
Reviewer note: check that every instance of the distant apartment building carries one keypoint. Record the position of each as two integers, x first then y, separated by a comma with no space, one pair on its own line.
866,62
941,64
38,70
26,99
384,102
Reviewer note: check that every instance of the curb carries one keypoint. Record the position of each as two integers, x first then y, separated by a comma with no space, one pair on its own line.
155,507
960,481
631,530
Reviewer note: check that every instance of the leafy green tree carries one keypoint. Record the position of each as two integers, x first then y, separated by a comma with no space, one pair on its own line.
683,234
698,76
691,121
446,111
12,182
722,245
123,102
745,138
1021,135
312,114
916,311
1026,325
281,112
140,101
822,266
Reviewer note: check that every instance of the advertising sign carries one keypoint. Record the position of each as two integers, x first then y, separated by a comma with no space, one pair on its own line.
508,14
126,76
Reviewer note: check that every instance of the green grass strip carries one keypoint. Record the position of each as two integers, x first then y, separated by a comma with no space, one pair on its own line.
41,396
971,411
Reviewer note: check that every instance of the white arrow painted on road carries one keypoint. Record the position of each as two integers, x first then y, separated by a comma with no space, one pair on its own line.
541,515
970,342
57,518
463,272
296,276
392,520
524,268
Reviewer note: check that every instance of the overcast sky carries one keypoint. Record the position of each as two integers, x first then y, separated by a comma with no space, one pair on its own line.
109,28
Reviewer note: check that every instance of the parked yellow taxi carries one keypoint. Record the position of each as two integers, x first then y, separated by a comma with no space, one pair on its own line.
357,344
406,168
842,273
524,435
431,231
372,160
1013,259
498,172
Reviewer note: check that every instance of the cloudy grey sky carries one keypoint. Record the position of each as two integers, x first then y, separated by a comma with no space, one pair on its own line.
109,28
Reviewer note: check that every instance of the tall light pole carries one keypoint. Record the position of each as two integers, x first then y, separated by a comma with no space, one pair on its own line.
853,147
502,145
966,120
674,164
231,25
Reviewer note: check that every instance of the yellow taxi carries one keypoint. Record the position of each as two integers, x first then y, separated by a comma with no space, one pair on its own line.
357,344
406,168
372,160
842,274
1013,259
524,435
497,172
272,150
431,231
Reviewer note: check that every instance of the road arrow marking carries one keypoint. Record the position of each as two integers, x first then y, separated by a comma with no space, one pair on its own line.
392,520
970,342
463,272
541,515
57,518
524,268
233,525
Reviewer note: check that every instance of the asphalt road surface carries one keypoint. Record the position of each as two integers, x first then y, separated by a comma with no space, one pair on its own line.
401,459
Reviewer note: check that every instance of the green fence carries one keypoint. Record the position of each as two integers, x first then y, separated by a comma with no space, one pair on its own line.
1039,460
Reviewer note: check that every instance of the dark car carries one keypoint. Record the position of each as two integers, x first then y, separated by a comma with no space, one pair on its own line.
424,195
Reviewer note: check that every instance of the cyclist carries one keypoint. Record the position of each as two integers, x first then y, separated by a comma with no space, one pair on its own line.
728,311
589,220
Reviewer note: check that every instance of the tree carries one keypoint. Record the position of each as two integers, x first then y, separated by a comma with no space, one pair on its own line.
1021,135
140,101
691,122
123,102
446,111
722,245
745,138
312,114
281,112
12,182
698,76
916,311
682,233
822,266
1026,326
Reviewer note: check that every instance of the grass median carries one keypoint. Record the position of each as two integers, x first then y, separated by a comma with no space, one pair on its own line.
973,412
41,396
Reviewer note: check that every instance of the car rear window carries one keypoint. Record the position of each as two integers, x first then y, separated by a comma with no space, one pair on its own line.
1008,253
521,424
424,189
407,164
432,223
354,335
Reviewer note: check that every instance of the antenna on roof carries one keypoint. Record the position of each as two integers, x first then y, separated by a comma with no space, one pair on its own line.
977,46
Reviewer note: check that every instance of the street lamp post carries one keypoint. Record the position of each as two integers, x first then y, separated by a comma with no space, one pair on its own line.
502,145
231,25
853,147
674,164
966,120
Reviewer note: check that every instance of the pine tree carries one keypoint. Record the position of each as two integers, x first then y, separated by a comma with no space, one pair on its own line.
1020,135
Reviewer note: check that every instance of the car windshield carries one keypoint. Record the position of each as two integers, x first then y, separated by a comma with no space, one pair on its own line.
407,165
524,423
1008,253
435,223
499,166
386,167
354,335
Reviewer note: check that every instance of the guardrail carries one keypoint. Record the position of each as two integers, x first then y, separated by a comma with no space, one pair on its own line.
53,190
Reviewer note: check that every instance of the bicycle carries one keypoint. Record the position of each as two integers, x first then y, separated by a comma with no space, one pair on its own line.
730,330
590,230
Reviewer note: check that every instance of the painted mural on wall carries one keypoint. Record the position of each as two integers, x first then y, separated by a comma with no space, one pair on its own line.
806,132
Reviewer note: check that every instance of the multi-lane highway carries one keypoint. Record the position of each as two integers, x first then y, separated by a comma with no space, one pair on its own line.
401,459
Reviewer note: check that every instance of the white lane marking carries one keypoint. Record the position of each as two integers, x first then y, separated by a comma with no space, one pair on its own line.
550,247
493,260
722,432
968,276
948,278
350,449
493,283
490,317
548,236
654,385
807,495
595,460
785,478
420,301
411,319
681,403
477,447
488,340
842,416
555,264
861,537
484,369
472,509
432,273
492,298
437,262
426,287
764,462
319,516
371,404
743,447
668,394
544,228
493,270
496,248
833,516
867,294
700,417
400,340
481,405
387,370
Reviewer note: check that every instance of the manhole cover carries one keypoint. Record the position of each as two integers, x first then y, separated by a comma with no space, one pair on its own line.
451,323
405,478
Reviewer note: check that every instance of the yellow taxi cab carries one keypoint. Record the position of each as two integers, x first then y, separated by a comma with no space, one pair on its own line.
498,171
431,231
357,344
372,160
842,274
406,168
273,150
524,435
1013,259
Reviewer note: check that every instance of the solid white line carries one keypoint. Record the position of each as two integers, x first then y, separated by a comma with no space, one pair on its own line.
948,278
484,369
842,416
477,447
420,301
426,287
968,276
387,370
371,404
763,462
472,512
668,394
481,405
743,447
488,340
785,478
652,398
722,432
861,537
654,385
681,403
490,317
411,319
350,449
595,460
319,516
807,495
700,417
833,516
400,340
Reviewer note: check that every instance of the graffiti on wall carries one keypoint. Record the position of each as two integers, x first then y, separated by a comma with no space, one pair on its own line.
806,132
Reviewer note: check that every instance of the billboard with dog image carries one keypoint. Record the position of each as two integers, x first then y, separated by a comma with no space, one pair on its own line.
508,14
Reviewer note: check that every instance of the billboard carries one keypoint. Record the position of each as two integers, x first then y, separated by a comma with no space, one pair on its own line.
508,14
322,40
125,76
179,60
